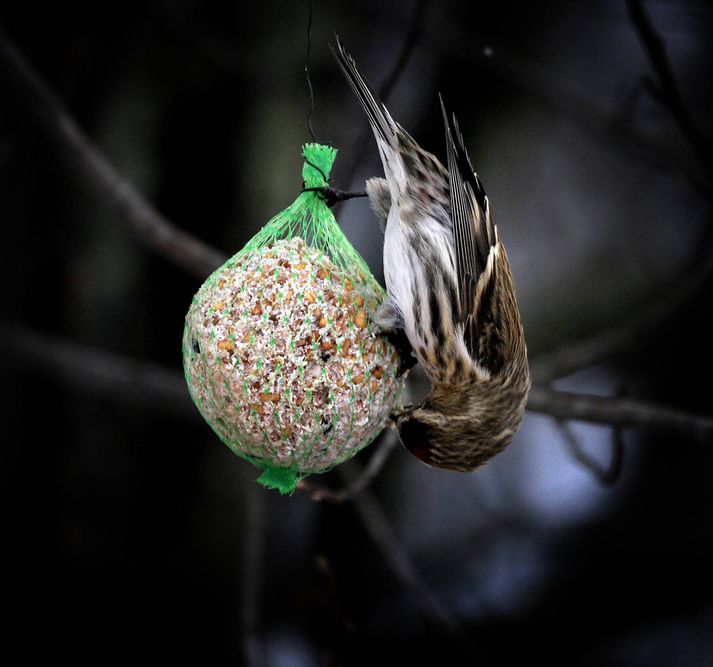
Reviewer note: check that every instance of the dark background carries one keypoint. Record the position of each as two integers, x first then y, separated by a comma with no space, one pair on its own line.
131,533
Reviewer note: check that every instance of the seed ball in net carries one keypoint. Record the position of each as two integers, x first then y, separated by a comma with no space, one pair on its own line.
283,360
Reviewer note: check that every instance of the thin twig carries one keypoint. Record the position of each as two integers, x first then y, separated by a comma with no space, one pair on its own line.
379,528
91,168
307,75
606,475
377,525
381,454
252,579
407,48
666,89
572,357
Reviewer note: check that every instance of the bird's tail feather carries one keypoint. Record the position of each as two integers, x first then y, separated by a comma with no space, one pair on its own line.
382,123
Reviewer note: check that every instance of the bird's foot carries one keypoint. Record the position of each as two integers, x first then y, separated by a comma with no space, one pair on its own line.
398,338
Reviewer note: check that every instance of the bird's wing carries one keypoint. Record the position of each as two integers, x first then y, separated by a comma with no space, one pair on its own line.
476,248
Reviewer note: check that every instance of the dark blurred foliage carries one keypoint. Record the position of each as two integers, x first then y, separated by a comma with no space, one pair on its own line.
126,529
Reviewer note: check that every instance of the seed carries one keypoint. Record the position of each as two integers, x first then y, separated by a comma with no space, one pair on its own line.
310,296
345,347
326,345
257,309
301,266
348,285
226,345
373,386
377,372
360,319
219,306
221,283
258,408
359,300
321,274
357,379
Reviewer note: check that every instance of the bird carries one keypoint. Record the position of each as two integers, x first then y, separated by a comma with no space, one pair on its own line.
449,289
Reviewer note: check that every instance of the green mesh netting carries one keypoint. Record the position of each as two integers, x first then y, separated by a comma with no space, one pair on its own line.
280,352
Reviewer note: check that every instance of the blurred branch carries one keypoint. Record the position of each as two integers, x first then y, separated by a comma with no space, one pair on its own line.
590,351
665,89
617,411
389,439
409,44
90,167
253,557
154,387
398,560
569,358
605,475
105,374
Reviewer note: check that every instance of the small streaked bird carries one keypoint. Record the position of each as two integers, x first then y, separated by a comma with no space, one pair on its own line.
450,289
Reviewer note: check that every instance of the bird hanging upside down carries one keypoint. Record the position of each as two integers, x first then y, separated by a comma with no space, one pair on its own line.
450,289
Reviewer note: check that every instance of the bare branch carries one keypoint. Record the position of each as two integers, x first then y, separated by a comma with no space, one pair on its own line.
380,531
605,475
572,357
365,477
618,412
409,44
666,89
90,167
253,547
151,386
119,378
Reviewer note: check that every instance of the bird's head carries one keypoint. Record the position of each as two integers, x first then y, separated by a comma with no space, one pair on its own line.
461,427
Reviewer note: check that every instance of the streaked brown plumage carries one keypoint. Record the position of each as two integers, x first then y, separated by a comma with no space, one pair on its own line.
450,288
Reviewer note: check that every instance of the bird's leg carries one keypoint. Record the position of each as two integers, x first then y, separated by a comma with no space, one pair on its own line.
391,322
399,339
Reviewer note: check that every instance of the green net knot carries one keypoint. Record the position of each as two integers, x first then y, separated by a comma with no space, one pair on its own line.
283,479
318,163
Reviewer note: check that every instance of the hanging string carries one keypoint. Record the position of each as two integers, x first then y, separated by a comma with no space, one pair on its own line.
307,76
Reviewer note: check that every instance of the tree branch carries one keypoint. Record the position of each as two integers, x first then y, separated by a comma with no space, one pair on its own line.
384,449
569,358
252,579
139,384
618,412
666,89
90,167
380,531
606,475
409,44
151,386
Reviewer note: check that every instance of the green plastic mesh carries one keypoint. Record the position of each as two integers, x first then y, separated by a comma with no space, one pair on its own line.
281,355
